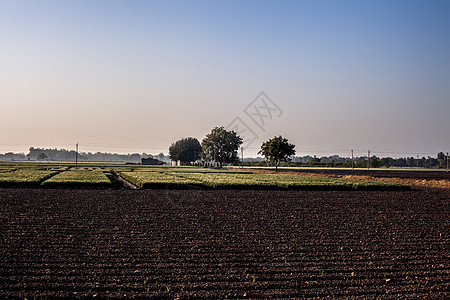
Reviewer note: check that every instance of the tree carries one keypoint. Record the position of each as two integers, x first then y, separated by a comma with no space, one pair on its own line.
185,150
441,159
221,145
42,156
375,162
276,150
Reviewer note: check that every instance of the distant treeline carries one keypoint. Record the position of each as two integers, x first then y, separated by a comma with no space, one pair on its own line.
42,154
358,162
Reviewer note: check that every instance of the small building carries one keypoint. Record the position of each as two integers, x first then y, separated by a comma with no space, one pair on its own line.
176,163
150,161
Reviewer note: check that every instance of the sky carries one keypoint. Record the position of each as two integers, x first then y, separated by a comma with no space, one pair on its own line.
135,76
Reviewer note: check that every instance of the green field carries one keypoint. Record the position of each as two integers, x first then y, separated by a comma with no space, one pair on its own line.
79,178
25,177
163,177
182,178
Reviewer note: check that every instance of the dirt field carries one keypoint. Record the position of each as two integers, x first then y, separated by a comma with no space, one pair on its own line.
219,244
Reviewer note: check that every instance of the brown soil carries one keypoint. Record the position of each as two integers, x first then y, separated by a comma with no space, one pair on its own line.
219,244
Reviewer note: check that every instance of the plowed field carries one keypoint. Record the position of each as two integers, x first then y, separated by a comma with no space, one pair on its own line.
219,244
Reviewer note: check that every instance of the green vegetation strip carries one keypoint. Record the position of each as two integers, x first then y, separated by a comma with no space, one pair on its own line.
227,180
24,177
178,178
78,178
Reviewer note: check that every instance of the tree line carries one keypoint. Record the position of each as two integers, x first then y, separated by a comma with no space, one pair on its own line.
44,154
221,146
358,162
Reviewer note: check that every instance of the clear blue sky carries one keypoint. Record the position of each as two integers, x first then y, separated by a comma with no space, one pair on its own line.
135,76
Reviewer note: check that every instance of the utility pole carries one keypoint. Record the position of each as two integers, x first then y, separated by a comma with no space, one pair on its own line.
76,157
242,157
368,161
352,161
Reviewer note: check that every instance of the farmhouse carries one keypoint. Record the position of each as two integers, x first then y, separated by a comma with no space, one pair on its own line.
150,161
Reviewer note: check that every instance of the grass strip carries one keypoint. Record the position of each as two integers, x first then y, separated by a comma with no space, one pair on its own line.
158,180
25,177
248,181
79,179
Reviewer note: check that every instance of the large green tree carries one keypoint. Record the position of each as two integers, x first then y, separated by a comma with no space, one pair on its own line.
221,145
276,150
185,150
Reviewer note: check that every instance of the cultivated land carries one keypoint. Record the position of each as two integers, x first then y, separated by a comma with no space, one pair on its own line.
218,244
75,240
97,176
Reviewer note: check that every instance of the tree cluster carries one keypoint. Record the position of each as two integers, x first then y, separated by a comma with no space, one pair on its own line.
221,146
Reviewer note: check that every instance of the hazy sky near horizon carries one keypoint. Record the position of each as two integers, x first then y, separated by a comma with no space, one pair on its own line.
135,76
